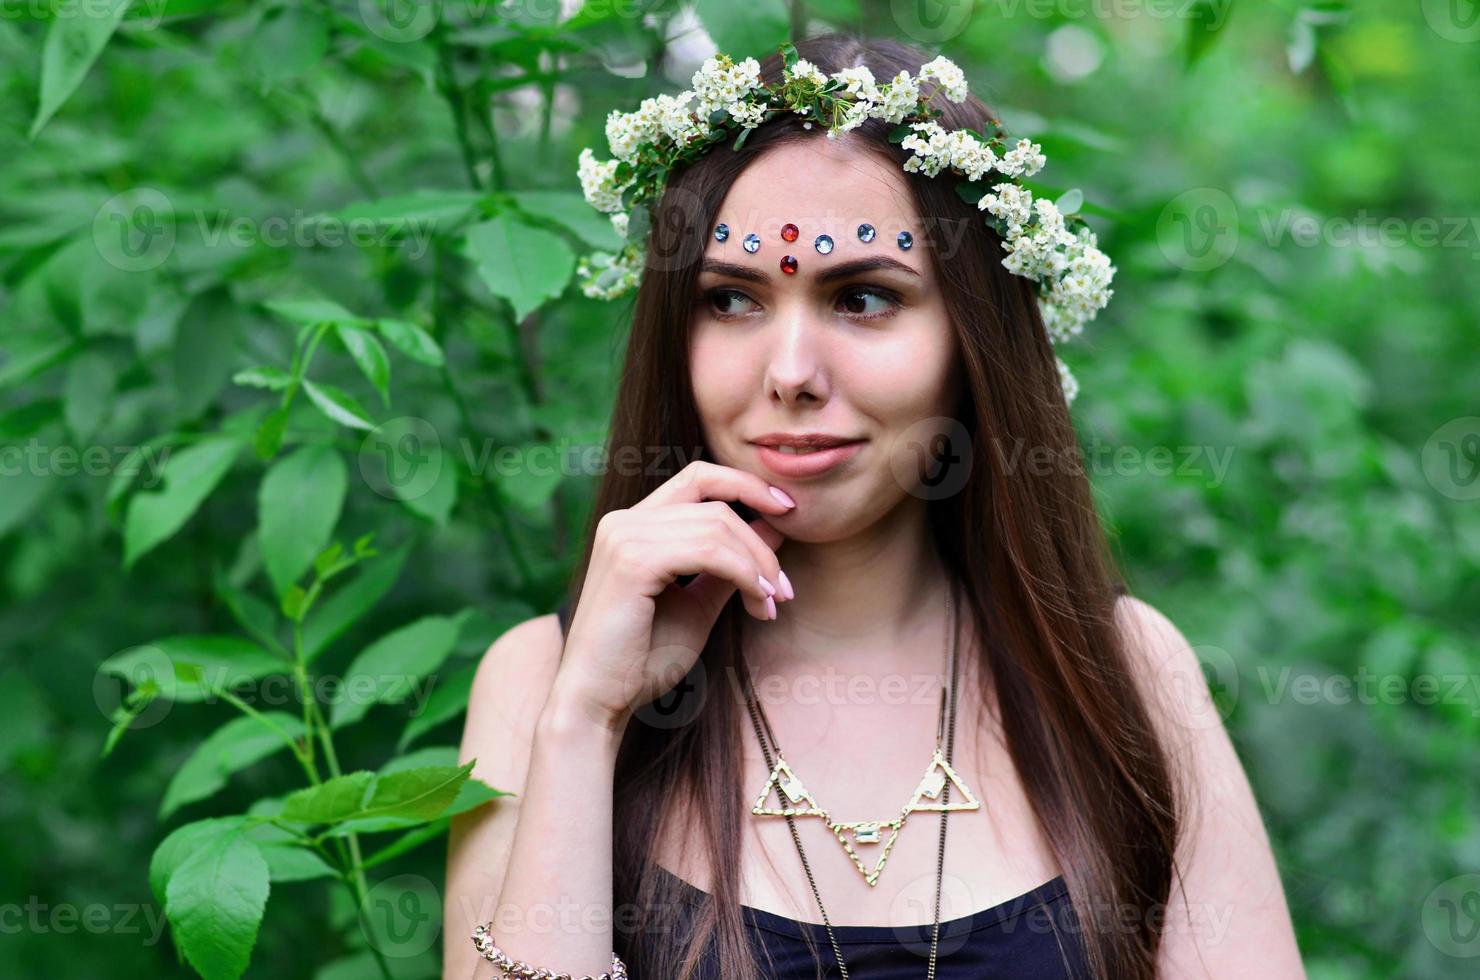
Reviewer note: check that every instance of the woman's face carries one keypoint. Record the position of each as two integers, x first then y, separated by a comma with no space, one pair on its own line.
855,343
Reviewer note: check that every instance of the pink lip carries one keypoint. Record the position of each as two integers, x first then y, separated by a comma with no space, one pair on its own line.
810,464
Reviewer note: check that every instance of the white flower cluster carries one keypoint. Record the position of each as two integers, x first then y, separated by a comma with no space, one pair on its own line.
599,183
952,80
1073,275
720,83
936,147
663,117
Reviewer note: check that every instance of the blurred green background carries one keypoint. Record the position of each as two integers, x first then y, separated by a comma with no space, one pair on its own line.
280,276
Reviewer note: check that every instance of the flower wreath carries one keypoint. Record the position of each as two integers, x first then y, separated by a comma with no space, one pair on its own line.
1045,241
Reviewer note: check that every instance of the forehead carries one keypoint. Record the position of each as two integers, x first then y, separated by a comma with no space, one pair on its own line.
823,187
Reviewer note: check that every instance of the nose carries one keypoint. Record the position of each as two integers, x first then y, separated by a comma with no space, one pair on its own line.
796,362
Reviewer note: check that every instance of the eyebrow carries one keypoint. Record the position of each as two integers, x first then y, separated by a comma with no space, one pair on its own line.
829,273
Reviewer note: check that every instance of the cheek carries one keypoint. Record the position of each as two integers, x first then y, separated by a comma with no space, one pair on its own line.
719,382
905,376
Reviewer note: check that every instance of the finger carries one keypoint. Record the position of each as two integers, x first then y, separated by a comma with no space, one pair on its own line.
699,529
724,570
747,535
743,535
702,480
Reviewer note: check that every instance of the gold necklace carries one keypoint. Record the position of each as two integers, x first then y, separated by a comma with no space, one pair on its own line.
937,782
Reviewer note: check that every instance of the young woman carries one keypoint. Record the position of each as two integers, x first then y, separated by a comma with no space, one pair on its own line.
780,678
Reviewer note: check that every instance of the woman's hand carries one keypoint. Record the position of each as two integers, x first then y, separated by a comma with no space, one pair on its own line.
636,632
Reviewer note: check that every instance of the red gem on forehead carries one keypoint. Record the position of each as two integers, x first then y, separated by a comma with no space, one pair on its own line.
789,232
789,264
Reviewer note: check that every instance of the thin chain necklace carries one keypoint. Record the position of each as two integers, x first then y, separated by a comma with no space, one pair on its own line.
945,730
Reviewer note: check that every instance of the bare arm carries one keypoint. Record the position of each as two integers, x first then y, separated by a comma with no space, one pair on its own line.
538,865
546,715
1233,920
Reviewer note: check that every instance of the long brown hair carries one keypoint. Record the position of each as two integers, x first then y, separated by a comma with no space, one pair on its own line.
1025,544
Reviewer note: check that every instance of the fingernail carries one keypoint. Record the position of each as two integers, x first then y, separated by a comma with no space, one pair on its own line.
770,589
771,606
786,588
782,496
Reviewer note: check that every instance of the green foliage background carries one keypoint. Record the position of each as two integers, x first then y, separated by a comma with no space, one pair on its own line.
163,291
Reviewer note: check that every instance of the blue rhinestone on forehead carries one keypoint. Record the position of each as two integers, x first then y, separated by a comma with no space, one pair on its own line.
905,239
865,233
824,244
721,232
752,242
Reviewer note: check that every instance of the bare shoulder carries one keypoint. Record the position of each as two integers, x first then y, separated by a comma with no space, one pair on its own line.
1227,915
510,686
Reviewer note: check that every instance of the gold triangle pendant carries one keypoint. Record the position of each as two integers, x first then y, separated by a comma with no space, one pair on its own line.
789,787
937,774
868,832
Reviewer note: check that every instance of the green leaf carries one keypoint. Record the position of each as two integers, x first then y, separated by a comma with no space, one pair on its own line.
338,405
416,794
331,801
292,602
310,312
27,356
204,351
214,902
1205,21
756,27
254,615
268,438
288,42
332,616
448,700
969,191
387,670
530,488
88,392
231,748
524,264
422,207
181,843
370,356
411,340
325,560
264,376
298,505
901,133
570,210
294,862
1070,201
471,795
79,31
189,476
208,662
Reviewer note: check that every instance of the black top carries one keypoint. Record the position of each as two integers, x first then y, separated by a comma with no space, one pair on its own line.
1034,936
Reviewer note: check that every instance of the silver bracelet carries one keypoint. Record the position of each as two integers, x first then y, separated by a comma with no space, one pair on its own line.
483,940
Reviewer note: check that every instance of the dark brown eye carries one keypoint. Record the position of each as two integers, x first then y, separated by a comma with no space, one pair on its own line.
860,301
730,302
